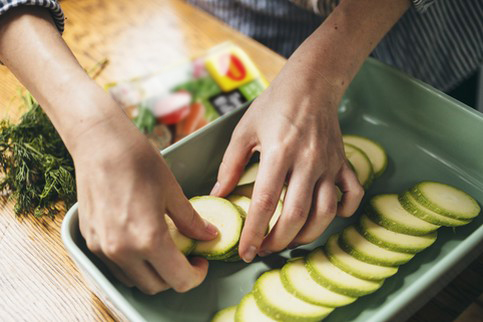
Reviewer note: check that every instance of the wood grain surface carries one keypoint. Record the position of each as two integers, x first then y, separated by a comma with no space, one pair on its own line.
38,281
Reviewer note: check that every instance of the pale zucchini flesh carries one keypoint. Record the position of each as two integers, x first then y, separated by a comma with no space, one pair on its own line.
374,151
330,276
275,301
249,175
297,280
248,311
225,315
360,163
353,266
226,217
388,212
446,200
355,244
414,207
392,240
183,243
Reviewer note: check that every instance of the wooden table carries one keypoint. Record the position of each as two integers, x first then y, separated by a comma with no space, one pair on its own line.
38,281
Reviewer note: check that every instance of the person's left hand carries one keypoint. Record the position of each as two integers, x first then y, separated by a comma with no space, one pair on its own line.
294,126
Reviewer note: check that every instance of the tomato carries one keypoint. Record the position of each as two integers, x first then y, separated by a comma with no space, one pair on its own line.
174,117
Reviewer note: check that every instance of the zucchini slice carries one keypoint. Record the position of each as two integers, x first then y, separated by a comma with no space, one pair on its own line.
356,245
183,243
246,190
414,207
297,280
361,164
391,240
225,315
386,211
249,175
248,311
275,301
446,200
352,265
330,276
374,151
227,218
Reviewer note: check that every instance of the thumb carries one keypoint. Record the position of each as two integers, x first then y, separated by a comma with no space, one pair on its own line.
187,220
231,168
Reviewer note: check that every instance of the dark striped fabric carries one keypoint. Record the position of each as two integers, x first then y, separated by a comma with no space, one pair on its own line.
437,41
52,5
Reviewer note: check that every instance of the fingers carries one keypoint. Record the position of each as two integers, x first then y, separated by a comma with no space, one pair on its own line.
322,213
268,186
181,274
294,214
352,192
235,158
187,220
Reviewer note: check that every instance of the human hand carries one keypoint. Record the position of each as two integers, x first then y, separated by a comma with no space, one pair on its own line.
294,126
124,189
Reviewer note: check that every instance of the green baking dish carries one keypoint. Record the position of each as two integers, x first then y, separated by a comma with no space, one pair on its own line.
428,136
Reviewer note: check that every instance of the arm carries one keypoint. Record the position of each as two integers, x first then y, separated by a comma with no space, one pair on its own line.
123,185
294,125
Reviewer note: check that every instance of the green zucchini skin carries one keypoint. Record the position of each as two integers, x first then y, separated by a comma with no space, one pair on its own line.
366,145
354,266
380,217
282,314
422,198
408,202
396,243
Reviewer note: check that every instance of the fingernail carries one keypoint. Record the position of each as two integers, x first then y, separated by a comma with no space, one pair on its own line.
264,253
292,246
210,228
250,254
215,189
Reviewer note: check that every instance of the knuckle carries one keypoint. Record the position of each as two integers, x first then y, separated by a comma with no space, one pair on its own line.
151,290
328,209
93,246
114,250
183,286
297,213
265,202
150,241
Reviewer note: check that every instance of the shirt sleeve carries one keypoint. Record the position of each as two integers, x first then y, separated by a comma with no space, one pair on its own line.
325,7
52,5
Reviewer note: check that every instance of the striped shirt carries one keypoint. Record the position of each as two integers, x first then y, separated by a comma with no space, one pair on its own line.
437,41
52,5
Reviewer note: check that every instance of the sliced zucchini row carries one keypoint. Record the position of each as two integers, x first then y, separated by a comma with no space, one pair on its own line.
297,280
411,205
446,200
249,175
361,164
225,315
227,217
183,243
330,276
374,151
392,240
275,301
386,211
248,311
356,245
352,265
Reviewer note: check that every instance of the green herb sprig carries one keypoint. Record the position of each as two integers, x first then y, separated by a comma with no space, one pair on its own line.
38,170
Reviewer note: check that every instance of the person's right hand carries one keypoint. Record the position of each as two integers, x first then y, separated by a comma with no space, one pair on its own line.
124,188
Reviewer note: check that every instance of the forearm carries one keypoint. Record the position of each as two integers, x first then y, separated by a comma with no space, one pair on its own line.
333,54
32,48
